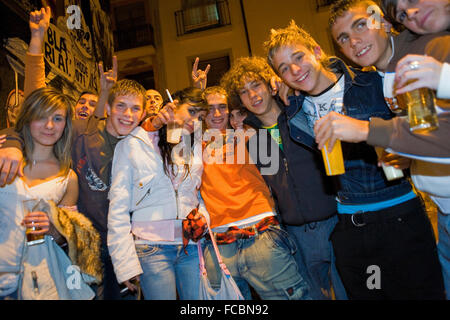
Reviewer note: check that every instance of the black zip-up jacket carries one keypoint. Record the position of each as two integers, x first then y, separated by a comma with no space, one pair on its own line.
301,188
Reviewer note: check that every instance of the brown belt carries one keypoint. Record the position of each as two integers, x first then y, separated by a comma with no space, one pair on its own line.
234,233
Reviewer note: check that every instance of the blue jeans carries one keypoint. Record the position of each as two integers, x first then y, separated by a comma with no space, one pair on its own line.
265,262
109,288
12,296
168,270
443,247
316,259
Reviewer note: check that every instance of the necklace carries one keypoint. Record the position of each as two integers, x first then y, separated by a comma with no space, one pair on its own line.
34,161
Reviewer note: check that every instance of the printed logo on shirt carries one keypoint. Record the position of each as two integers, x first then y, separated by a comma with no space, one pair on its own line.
92,180
331,100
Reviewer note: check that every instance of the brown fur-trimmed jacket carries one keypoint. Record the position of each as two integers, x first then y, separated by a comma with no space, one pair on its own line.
82,238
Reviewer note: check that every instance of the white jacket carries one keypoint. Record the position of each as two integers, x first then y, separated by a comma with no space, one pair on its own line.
141,187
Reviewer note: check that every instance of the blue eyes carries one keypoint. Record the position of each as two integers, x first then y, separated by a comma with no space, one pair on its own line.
401,16
361,25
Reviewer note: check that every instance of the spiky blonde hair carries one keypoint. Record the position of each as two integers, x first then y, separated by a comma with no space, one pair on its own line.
288,36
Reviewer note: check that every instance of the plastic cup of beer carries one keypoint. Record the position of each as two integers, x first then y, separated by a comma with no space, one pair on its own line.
334,161
31,206
390,172
174,130
420,104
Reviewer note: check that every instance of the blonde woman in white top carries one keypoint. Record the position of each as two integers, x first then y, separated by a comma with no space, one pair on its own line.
44,124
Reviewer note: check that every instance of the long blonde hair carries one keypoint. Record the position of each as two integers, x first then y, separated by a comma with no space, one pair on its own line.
39,104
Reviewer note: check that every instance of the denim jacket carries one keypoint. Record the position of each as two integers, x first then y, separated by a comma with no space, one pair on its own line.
302,191
363,181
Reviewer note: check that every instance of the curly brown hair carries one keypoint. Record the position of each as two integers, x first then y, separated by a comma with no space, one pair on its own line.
243,70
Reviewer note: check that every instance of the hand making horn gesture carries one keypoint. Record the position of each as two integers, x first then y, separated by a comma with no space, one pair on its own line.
199,76
108,78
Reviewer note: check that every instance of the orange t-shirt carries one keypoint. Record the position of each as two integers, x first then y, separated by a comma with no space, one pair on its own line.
233,192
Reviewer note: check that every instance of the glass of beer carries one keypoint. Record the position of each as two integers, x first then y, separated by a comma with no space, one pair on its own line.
420,104
334,160
390,172
31,206
174,130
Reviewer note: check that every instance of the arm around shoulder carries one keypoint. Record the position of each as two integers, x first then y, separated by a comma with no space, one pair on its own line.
13,139
11,157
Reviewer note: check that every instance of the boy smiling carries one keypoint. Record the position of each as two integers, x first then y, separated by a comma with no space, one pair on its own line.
362,33
303,192
376,217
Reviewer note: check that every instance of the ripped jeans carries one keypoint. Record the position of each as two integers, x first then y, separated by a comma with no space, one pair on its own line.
265,262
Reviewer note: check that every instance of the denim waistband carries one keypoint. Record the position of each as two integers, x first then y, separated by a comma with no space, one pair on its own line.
364,196
359,208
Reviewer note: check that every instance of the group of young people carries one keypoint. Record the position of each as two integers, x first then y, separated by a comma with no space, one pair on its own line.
284,228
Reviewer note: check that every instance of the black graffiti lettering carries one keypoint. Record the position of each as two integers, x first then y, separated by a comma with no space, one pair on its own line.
80,77
50,38
49,53
62,65
55,50
62,45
